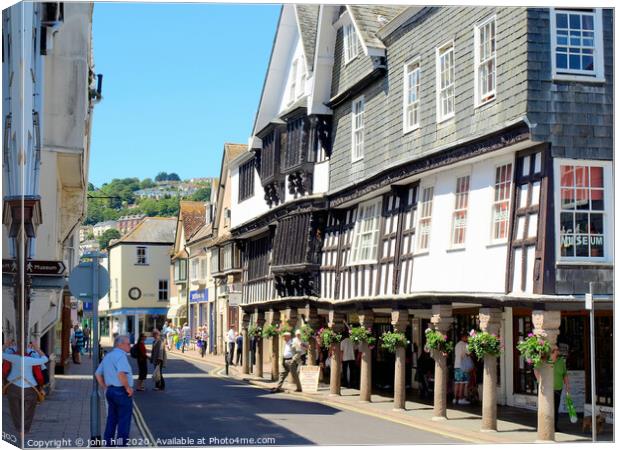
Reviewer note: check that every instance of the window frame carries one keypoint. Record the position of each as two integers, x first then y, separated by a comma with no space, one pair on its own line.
160,290
455,210
348,30
139,257
446,47
354,130
608,212
247,191
493,240
415,63
598,75
422,190
492,95
377,203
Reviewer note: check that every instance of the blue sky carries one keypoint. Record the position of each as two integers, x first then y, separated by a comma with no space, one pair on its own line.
179,80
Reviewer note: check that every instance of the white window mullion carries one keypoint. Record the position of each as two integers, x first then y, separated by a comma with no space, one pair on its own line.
357,128
445,82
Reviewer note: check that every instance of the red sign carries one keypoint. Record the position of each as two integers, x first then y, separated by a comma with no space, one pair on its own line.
35,267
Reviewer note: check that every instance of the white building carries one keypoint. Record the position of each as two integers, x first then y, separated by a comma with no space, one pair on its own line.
139,279
48,94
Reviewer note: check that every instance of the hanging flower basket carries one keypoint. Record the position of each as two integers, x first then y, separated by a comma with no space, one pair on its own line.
535,349
270,331
438,341
328,337
284,329
392,340
255,331
483,343
359,335
307,332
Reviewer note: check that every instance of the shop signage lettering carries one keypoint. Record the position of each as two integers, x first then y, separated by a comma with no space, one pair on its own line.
568,240
201,295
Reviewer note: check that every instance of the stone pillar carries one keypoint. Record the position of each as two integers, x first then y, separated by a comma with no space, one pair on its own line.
260,322
273,318
547,324
336,323
366,318
490,321
310,317
400,318
245,348
442,321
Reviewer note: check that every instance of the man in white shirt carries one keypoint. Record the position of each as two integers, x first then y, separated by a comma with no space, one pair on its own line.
347,349
231,346
290,361
300,346
461,377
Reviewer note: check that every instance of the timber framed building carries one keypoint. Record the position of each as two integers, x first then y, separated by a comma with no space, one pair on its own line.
402,177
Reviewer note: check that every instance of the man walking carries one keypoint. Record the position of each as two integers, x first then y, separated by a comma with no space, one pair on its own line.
239,340
231,346
158,359
86,338
185,333
114,375
290,361
77,341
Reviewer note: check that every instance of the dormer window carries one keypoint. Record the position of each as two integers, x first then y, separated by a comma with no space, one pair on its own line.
350,43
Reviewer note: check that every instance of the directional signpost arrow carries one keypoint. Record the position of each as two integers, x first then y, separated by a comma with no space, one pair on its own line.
36,267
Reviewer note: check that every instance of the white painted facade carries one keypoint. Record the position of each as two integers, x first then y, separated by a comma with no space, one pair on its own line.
451,268
47,107
251,207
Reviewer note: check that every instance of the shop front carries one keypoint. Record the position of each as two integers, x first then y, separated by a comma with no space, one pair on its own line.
198,301
134,321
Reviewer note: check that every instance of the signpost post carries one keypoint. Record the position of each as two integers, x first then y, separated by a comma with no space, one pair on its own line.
590,306
89,281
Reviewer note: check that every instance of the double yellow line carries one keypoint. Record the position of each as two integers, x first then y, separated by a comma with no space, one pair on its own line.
142,426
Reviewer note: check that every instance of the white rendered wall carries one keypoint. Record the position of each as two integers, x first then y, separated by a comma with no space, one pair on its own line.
481,265
249,208
320,182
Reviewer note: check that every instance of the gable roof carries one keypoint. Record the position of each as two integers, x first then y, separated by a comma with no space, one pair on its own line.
308,19
231,151
202,233
370,18
192,214
156,230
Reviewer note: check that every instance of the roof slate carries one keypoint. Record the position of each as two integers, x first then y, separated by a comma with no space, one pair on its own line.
152,229
367,19
308,19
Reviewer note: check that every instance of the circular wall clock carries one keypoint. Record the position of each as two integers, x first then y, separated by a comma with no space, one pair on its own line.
135,293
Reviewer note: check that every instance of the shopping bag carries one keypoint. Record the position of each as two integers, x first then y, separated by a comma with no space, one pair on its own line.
157,374
570,407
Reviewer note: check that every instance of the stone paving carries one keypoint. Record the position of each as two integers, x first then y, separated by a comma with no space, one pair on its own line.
64,416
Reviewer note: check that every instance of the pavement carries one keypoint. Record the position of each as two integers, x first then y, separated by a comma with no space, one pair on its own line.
63,419
515,425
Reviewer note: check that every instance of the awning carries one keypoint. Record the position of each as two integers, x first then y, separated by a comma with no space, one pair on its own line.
177,311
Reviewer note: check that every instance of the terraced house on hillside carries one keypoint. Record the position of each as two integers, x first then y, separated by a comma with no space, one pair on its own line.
415,167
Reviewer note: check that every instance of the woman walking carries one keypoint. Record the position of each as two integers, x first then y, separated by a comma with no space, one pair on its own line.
142,362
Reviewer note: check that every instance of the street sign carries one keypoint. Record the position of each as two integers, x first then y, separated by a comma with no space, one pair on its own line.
36,267
81,281
87,306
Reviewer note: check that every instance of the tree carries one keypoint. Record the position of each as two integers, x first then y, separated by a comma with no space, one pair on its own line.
202,194
146,183
91,187
161,176
173,177
107,236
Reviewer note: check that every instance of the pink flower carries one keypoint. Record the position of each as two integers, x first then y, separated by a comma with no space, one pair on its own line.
541,342
530,335
472,333
529,361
